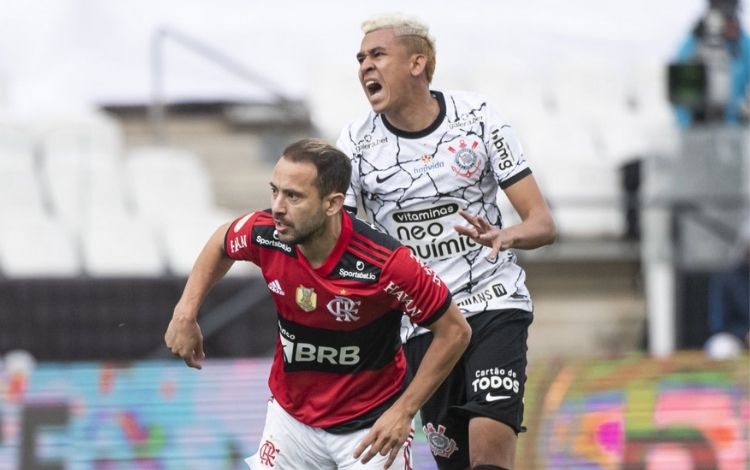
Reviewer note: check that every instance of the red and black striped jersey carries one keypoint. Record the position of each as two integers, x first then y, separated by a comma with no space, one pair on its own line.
338,354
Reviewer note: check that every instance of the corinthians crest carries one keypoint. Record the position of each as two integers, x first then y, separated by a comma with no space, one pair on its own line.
466,161
306,298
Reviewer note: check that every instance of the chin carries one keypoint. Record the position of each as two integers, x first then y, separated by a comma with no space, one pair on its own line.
379,106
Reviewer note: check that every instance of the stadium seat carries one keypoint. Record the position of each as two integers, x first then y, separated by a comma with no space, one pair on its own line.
586,200
183,237
83,133
35,245
119,245
17,144
20,192
78,190
164,180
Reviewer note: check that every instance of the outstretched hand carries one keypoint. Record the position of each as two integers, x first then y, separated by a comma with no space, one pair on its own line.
485,234
386,437
184,338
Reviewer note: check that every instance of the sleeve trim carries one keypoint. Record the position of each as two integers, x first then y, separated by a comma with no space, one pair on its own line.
515,178
439,312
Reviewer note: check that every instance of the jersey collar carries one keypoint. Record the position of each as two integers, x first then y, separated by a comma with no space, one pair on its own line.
338,250
426,131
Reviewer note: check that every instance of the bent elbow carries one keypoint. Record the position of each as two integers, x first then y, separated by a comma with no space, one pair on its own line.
550,232
464,335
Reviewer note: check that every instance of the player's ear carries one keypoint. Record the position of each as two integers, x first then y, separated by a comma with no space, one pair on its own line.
334,203
418,64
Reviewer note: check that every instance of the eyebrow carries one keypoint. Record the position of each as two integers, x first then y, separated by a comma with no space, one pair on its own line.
362,54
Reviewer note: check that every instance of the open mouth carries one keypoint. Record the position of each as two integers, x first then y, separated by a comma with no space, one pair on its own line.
372,87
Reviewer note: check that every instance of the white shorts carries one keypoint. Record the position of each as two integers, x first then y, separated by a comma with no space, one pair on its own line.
288,444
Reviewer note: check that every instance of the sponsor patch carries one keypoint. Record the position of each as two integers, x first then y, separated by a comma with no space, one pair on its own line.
306,298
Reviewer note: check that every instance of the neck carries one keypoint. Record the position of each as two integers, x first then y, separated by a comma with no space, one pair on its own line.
319,247
417,114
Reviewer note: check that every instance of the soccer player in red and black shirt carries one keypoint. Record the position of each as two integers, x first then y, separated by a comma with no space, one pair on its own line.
340,288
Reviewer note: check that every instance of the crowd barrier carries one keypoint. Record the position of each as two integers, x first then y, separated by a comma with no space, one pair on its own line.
685,412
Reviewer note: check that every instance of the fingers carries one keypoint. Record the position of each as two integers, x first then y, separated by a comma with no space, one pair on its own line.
385,446
363,444
469,232
392,457
472,219
194,361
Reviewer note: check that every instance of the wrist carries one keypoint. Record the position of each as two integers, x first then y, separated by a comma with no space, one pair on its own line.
184,314
406,406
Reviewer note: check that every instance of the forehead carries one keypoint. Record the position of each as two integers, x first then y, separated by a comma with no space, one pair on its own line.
299,176
384,38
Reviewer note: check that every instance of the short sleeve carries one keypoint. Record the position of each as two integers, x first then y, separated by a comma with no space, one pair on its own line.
344,143
237,239
419,292
506,154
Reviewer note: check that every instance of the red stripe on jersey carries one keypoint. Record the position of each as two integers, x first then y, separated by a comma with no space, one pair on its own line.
265,218
371,245
365,255
323,400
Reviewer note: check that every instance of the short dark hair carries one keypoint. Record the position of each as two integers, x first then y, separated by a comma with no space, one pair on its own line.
334,167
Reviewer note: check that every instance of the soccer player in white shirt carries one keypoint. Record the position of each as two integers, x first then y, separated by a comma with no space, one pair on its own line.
426,163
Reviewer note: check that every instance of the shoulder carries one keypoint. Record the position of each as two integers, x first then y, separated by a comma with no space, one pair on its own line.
373,238
465,98
355,130
463,102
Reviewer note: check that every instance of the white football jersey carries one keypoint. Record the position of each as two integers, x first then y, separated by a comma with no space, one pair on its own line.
412,184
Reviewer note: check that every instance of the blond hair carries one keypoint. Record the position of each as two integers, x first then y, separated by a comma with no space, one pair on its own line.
413,32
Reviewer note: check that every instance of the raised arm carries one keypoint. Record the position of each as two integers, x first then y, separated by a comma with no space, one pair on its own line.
451,334
183,336
537,228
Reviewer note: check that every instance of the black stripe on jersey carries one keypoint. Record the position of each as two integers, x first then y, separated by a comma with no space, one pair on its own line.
264,236
364,252
360,269
374,237
374,249
371,347
367,419
515,178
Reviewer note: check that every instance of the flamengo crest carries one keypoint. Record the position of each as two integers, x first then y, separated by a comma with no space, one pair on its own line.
344,308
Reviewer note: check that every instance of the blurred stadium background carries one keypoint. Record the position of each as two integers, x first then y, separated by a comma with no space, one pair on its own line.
130,130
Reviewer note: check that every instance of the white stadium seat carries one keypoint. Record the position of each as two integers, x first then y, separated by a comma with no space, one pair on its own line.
34,245
163,180
82,133
118,245
183,237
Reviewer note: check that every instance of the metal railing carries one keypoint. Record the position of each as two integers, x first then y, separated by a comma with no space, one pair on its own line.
157,109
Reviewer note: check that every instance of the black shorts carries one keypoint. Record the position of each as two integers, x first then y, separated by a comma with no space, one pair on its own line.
488,381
